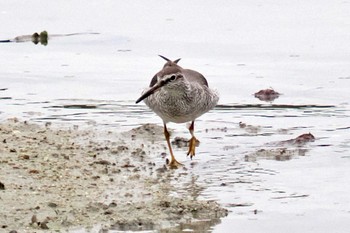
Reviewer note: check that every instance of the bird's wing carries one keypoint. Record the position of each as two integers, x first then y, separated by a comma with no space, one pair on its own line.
194,76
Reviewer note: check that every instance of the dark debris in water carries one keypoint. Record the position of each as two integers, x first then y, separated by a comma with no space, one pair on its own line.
283,152
124,50
41,37
249,128
299,141
5,97
77,106
239,204
278,154
291,196
267,95
36,38
182,142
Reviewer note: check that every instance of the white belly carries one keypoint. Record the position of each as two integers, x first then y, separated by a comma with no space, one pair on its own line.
181,109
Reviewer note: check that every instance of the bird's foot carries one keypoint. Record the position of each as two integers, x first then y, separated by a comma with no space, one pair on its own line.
192,147
174,164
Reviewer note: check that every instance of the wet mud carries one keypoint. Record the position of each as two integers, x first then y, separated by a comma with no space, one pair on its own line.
62,178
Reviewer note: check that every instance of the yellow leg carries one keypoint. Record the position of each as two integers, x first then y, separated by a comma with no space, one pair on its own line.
193,141
173,162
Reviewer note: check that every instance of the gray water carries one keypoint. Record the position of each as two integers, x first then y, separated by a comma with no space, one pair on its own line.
301,50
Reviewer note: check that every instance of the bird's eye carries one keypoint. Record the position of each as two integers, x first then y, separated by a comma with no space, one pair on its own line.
172,78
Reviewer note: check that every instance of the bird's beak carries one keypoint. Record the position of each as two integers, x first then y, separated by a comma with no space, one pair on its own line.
150,91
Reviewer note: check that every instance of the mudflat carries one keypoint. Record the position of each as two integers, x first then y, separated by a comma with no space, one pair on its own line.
63,178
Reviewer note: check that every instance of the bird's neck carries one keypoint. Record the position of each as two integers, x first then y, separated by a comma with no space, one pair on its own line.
178,90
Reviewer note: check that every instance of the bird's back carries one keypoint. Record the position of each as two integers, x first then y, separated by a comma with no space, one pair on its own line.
194,77
191,75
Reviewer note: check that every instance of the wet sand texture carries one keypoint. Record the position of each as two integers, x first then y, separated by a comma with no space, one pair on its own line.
62,178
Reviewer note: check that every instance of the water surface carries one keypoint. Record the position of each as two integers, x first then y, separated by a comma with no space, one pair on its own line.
299,49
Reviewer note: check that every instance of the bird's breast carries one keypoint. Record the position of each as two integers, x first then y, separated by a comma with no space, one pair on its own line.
179,106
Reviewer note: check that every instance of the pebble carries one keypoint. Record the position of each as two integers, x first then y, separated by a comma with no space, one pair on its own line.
2,186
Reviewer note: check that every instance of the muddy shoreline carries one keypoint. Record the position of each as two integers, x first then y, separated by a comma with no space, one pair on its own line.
64,178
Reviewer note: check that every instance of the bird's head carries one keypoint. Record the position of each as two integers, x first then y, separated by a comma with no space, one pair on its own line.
170,62
169,77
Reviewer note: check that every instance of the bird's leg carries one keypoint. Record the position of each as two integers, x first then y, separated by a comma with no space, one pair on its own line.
173,162
193,141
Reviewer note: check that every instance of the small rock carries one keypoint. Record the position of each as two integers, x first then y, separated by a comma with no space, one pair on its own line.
307,137
52,205
102,162
33,171
164,168
165,204
128,195
112,204
122,148
300,140
34,219
127,165
43,225
108,212
24,157
2,186
95,177
267,95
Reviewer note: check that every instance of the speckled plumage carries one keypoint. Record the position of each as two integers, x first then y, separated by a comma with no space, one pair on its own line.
179,95
184,99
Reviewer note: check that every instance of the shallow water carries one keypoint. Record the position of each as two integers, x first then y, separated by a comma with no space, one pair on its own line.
300,50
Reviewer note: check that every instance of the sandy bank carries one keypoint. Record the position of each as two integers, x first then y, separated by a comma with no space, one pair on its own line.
63,178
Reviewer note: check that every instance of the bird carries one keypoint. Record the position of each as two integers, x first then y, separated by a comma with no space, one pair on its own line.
179,95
